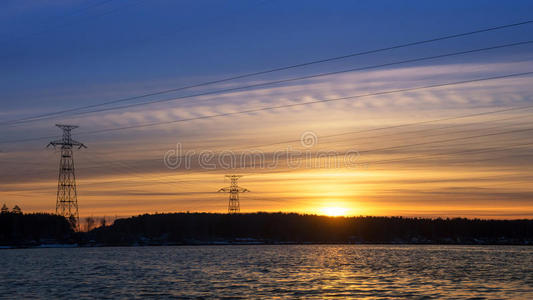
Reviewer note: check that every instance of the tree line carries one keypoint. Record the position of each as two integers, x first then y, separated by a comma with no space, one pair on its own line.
268,228
192,228
18,229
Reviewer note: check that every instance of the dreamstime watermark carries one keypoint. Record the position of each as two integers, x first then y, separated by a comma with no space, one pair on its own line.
257,159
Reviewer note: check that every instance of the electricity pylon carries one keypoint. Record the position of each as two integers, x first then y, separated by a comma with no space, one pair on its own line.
67,196
234,189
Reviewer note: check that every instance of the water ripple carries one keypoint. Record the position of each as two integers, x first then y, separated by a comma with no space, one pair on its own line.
285,271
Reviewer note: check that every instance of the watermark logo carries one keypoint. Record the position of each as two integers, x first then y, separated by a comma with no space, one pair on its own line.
290,158
308,139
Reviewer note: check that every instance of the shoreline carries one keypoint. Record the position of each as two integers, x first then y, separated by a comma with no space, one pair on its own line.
70,246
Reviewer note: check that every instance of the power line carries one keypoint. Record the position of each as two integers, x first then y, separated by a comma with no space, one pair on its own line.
138,170
309,102
444,141
21,121
159,181
174,181
407,158
274,70
371,162
280,81
499,126
512,147
286,106
380,128
402,125
374,129
447,140
498,157
495,149
455,152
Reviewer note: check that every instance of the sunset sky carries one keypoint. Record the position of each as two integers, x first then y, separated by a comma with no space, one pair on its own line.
465,149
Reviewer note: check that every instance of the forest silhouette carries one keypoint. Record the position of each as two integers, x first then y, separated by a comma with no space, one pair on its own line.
262,228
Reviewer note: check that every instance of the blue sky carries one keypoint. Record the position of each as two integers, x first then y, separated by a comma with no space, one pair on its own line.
48,50
63,54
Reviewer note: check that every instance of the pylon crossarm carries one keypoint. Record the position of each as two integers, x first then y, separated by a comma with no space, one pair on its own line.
55,143
78,144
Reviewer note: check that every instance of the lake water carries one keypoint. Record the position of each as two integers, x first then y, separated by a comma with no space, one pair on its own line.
287,271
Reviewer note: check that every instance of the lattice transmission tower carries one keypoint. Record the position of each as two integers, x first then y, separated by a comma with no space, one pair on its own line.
67,196
234,189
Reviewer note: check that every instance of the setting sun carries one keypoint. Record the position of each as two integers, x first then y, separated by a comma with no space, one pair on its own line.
334,211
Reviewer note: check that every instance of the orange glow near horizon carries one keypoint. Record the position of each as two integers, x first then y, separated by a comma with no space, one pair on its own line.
334,211
408,181
321,192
